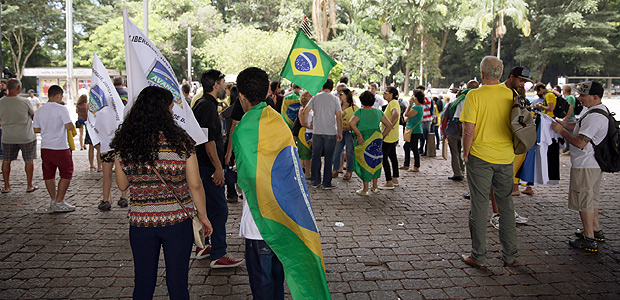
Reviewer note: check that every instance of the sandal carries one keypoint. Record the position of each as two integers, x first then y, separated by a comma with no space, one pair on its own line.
403,167
347,176
34,188
335,174
5,191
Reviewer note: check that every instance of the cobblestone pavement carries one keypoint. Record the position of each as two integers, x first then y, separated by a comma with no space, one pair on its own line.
400,244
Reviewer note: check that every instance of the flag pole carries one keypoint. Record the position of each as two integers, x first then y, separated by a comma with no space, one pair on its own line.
127,56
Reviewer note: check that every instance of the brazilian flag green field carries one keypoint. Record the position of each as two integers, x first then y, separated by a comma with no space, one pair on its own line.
270,174
307,65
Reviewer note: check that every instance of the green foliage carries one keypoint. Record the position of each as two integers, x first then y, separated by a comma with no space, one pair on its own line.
336,72
245,46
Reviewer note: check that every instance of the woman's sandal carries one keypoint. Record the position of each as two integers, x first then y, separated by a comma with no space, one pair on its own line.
347,176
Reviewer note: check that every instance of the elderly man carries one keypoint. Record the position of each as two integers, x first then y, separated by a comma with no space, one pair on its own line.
488,154
18,135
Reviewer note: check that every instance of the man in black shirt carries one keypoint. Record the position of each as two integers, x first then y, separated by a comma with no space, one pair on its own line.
210,155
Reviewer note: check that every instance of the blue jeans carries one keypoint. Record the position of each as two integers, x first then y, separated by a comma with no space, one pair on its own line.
265,271
426,128
322,143
146,242
347,139
217,212
409,147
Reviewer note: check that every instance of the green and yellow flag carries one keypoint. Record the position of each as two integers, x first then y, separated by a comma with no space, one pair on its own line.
307,65
270,174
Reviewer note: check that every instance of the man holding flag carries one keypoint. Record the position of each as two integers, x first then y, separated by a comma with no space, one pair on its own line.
278,222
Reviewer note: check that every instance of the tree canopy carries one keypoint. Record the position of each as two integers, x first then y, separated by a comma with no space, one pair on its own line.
436,41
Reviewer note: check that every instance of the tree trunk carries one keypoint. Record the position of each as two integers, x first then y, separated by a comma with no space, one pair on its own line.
324,27
442,46
407,64
332,16
315,19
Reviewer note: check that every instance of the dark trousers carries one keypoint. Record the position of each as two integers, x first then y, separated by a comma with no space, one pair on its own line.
389,155
146,242
265,271
426,128
415,137
322,143
217,212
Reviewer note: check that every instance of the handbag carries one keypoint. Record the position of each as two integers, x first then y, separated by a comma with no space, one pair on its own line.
409,131
199,233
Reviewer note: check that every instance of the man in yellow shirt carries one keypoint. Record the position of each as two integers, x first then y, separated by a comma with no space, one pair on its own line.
550,100
488,154
392,112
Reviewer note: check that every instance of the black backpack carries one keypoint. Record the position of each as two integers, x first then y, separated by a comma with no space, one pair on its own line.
561,107
578,107
607,152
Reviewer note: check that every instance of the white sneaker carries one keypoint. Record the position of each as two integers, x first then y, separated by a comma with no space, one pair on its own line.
495,221
520,219
61,207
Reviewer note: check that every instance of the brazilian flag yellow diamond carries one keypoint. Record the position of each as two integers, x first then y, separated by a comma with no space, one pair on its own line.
306,62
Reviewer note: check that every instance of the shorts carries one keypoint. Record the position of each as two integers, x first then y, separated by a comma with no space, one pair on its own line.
29,151
87,140
583,189
57,159
108,157
79,123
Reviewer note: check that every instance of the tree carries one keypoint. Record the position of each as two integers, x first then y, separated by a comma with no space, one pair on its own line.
480,14
324,18
244,46
576,34
25,25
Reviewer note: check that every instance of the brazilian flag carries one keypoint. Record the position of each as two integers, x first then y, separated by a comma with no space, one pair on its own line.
270,174
369,157
304,144
307,65
290,109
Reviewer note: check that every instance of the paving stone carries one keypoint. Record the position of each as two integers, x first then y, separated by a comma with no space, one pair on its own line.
404,243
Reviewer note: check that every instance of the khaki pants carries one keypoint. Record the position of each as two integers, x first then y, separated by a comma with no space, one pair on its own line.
454,141
481,175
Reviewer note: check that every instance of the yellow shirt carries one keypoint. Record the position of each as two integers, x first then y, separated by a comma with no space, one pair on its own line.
550,98
346,116
392,137
489,108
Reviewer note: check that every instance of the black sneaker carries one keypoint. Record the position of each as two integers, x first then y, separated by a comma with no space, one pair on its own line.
122,202
585,243
598,235
104,206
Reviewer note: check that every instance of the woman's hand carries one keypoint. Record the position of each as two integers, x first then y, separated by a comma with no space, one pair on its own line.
206,224
360,140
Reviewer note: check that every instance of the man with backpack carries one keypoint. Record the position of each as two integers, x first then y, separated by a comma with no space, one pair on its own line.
585,172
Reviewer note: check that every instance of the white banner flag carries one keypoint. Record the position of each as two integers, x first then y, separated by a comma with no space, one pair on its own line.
146,66
105,108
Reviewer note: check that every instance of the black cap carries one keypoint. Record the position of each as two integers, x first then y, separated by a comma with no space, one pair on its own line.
520,72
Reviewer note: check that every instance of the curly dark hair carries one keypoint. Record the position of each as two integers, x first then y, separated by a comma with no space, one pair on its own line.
137,138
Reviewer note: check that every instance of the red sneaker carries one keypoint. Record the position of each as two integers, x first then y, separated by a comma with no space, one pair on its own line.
226,261
203,252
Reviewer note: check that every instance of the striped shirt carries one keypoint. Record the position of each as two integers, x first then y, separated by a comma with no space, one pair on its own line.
151,203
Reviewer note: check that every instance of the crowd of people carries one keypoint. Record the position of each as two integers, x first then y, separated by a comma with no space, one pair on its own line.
334,134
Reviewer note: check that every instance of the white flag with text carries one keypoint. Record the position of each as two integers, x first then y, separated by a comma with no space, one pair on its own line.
105,108
146,66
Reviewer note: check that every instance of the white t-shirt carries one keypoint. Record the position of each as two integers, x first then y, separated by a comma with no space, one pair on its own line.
379,102
325,106
51,118
594,126
459,110
34,101
247,226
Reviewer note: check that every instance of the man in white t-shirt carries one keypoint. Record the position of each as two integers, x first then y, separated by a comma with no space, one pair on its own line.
52,120
36,103
585,173
327,129
379,101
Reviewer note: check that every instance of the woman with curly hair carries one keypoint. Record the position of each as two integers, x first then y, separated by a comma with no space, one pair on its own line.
348,108
147,143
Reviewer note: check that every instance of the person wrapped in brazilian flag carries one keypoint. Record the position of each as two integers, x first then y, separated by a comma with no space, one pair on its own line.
277,217
369,142
304,137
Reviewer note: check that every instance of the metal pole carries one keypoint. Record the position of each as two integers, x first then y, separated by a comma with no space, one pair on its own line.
1,60
145,17
189,55
69,52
